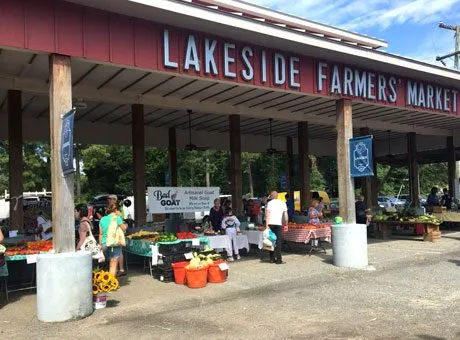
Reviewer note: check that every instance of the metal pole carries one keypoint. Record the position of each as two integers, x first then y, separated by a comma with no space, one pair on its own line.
457,46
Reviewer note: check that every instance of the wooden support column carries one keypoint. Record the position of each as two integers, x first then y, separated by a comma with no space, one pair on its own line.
304,167
413,169
369,184
346,184
236,176
16,176
290,167
452,164
172,157
138,140
60,92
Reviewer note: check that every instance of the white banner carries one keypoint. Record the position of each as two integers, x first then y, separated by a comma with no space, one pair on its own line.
164,200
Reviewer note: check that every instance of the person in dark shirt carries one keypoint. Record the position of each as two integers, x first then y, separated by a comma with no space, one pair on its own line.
432,199
360,207
216,215
446,199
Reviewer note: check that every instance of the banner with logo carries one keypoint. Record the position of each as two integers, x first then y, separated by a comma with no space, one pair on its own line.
67,142
361,157
169,200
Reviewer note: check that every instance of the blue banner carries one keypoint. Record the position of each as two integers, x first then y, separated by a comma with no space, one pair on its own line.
361,157
67,142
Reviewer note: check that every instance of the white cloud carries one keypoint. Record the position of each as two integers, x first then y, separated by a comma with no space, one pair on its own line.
439,43
415,11
362,16
359,14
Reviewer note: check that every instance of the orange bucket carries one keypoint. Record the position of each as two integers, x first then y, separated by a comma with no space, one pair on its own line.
215,275
196,278
179,272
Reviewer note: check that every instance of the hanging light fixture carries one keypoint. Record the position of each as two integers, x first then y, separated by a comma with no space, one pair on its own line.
390,156
271,150
190,146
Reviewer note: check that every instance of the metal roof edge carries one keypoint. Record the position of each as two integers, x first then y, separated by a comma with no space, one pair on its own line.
333,30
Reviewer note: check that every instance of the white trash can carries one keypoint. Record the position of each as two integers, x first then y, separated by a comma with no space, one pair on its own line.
64,286
349,245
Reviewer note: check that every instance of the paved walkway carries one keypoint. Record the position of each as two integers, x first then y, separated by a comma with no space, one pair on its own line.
411,294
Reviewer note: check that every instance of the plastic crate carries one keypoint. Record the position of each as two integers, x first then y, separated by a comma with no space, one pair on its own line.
166,249
168,260
164,275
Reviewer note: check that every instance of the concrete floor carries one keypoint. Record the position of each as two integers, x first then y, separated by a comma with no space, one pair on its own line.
409,292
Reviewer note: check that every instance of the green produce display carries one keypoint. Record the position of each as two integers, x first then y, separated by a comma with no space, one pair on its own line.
167,238
406,216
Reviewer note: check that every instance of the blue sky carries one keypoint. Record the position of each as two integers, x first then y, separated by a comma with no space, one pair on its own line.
409,26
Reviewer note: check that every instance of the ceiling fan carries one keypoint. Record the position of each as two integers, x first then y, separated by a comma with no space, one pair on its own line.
190,146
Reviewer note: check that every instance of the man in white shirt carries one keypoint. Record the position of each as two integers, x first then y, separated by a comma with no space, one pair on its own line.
275,213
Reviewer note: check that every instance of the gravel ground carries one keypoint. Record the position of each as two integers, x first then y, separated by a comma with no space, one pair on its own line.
408,292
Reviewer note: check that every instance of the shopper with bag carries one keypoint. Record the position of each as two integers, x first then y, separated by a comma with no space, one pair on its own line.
111,236
86,240
275,214
81,215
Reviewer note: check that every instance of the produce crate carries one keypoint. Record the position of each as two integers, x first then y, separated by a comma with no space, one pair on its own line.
434,236
163,275
168,260
173,248
208,252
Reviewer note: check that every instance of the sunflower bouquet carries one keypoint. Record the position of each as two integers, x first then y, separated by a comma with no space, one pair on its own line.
104,282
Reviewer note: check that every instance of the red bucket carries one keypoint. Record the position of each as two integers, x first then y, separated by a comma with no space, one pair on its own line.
215,275
419,229
179,272
196,278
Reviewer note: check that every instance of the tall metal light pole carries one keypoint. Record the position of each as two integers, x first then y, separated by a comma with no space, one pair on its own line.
456,53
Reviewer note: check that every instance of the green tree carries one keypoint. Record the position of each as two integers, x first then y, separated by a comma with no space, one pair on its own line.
36,169
433,175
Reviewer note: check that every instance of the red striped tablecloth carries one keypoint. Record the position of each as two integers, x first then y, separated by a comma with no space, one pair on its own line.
305,235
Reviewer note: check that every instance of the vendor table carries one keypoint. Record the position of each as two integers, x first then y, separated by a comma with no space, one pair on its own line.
4,273
448,216
142,248
255,237
305,235
312,236
431,232
223,242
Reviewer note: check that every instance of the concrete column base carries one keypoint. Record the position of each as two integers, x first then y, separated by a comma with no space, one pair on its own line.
64,286
349,245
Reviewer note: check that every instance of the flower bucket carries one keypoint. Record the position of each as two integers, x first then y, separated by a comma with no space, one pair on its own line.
179,272
215,274
196,278
100,300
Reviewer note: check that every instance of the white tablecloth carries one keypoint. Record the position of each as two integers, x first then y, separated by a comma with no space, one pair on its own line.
219,242
223,242
242,241
255,237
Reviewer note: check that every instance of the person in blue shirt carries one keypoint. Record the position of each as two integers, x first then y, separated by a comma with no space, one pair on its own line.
290,206
112,254
432,199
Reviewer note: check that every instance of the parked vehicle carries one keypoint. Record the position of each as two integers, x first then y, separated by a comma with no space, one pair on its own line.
384,202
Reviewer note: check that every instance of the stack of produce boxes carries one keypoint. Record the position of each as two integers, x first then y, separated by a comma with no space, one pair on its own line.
170,253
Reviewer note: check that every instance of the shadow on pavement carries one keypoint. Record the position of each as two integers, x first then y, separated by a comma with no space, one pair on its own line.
429,337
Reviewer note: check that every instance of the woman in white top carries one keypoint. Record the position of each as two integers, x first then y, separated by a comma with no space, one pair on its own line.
231,225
